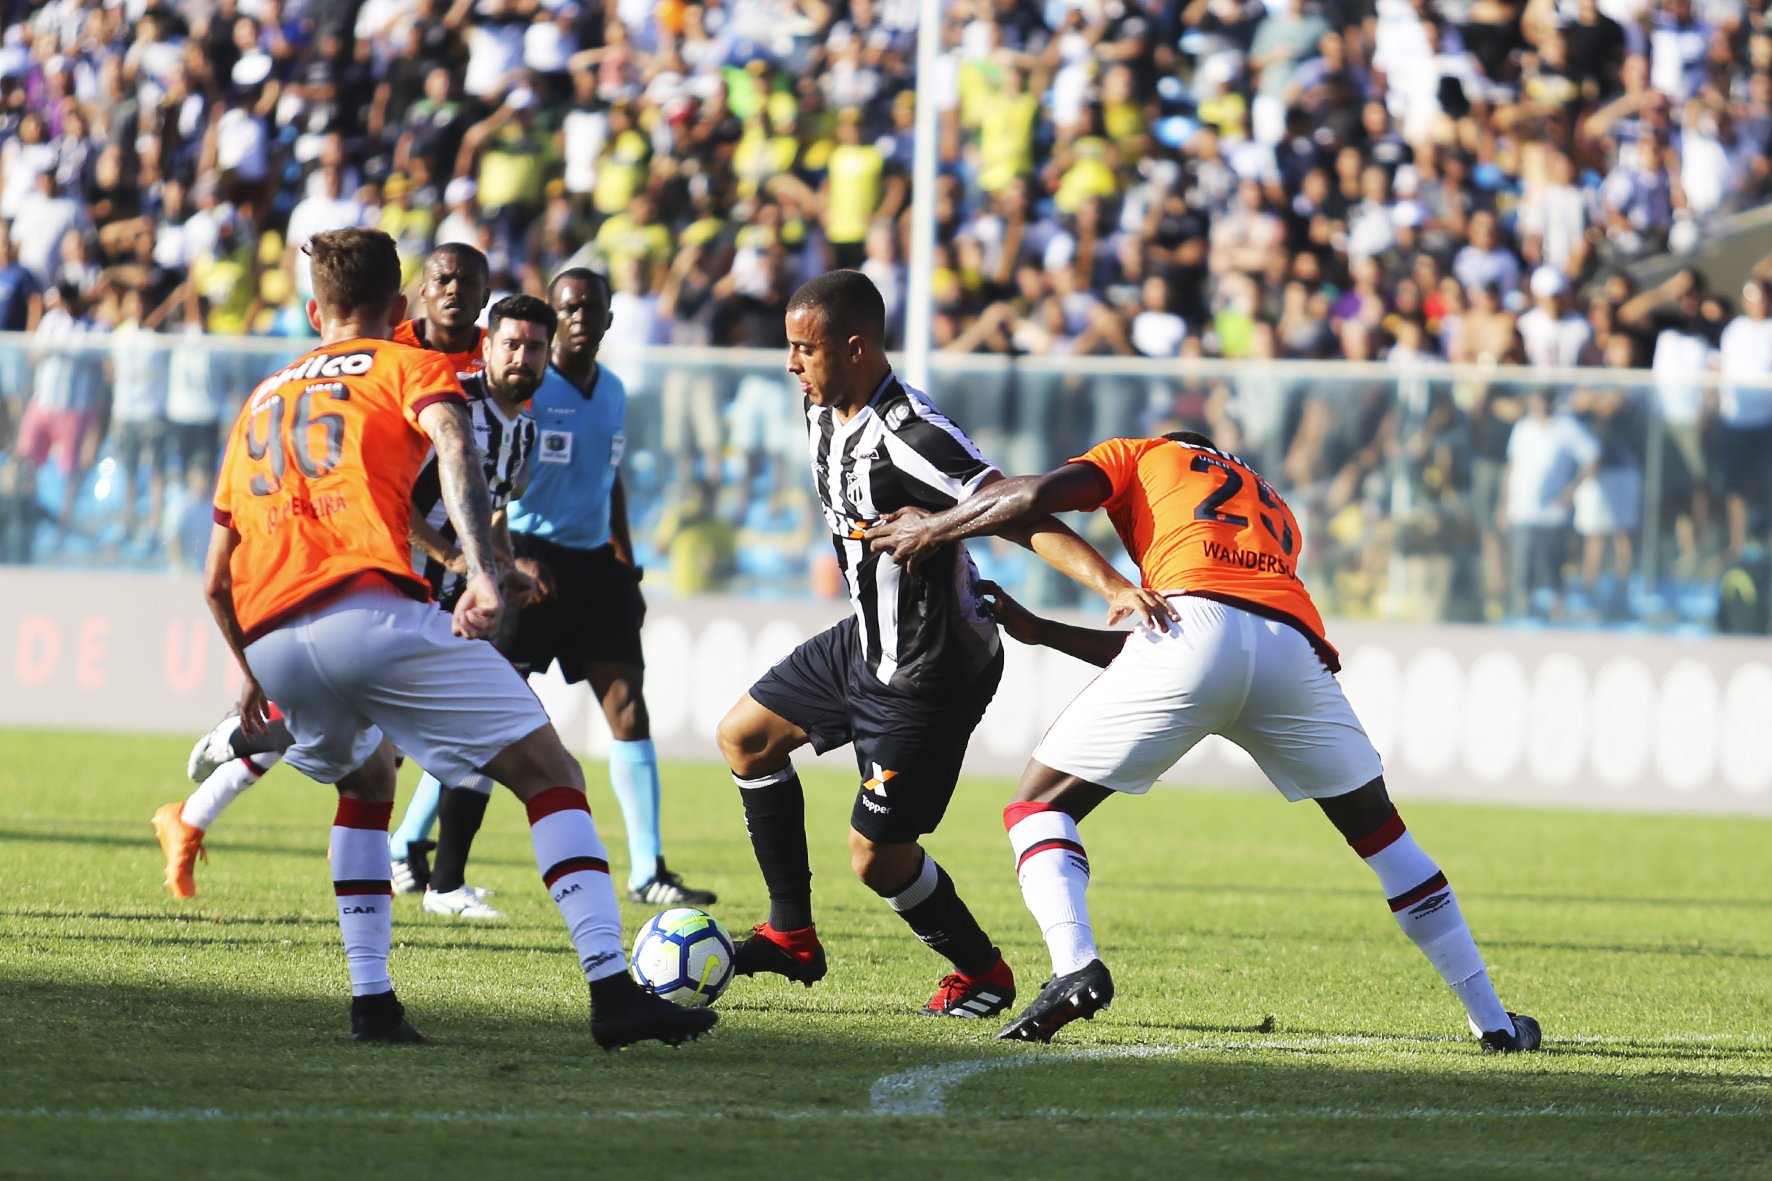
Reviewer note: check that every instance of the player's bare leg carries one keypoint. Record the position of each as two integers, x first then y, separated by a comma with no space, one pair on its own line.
1053,870
575,869
920,890
633,774
758,745
1424,906
361,882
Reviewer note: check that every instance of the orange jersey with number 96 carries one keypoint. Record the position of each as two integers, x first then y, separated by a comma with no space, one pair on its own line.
318,475
1201,522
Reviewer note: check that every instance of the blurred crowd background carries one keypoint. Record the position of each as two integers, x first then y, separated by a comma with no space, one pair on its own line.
1213,186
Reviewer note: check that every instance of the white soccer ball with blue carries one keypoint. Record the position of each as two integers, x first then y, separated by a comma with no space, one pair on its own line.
683,955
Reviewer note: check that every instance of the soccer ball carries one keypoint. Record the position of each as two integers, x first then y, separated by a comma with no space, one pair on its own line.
683,955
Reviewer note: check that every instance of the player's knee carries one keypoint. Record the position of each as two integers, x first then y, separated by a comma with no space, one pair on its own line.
740,741
883,868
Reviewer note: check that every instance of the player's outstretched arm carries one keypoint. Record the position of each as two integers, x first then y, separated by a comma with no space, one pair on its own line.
469,503
218,589
1088,644
1021,509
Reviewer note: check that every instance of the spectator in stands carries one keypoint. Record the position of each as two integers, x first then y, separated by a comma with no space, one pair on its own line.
1684,346
1745,414
1548,457
1552,334
68,395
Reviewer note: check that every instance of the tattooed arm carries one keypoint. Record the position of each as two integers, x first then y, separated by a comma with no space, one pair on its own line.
469,503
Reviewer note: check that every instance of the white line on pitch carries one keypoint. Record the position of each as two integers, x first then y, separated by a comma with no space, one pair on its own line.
214,1115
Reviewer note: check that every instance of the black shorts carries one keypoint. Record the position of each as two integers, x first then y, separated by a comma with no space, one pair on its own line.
593,616
907,748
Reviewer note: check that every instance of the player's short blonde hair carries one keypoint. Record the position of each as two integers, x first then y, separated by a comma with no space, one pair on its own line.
354,270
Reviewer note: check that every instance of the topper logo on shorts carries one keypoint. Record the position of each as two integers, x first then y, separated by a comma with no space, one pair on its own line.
878,782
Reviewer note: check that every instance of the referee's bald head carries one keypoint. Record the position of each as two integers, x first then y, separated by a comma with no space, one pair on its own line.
849,303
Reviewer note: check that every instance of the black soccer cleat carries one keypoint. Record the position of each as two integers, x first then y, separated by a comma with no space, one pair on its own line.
1082,993
380,1018
623,1013
1523,1038
765,951
667,889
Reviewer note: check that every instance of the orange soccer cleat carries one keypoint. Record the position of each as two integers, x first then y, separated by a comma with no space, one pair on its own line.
182,845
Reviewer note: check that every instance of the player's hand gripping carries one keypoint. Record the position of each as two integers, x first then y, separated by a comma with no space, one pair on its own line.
1152,609
1021,625
481,606
255,708
904,534
538,573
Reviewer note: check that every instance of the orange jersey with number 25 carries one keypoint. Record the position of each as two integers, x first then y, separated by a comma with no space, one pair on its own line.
318,476
1201,522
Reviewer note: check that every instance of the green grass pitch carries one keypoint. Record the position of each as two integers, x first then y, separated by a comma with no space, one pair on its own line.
1271,1020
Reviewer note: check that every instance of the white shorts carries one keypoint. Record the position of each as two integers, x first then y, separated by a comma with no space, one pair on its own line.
1219,670
375,662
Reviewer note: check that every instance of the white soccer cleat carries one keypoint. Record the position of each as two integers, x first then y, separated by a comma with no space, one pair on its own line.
464,903
212,750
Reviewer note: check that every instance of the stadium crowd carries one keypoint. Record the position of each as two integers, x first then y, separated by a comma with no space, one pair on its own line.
1368,180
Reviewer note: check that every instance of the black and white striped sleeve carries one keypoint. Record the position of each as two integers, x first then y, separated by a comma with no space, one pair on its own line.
939,465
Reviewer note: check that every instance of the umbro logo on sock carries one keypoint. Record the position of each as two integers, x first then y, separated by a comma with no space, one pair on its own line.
1437,902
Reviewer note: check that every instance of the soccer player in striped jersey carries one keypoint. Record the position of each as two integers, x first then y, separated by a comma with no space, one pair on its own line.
1244,657
519,332
905,679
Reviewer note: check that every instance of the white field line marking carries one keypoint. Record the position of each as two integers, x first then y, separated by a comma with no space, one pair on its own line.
923,1091
216,1115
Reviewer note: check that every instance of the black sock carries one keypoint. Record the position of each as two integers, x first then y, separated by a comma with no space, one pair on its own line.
459,813
275,738
775,816
931,907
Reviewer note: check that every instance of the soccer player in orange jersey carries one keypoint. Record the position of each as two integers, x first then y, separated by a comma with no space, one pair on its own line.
1244,657
454,287
309,576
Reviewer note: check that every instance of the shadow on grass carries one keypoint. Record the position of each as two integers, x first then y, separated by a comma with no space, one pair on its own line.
1239,889
162,1075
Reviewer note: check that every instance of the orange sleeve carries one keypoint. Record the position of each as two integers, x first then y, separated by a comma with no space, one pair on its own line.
1118,461
427,377
223,504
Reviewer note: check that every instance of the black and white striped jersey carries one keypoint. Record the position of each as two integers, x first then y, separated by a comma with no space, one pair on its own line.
918,632
507,444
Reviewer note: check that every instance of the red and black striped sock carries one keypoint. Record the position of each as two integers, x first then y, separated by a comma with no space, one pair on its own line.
360,880
1054,873
1425,908
575,869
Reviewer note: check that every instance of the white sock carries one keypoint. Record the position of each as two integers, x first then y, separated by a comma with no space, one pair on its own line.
1428,912
360,879
575,868
225,783
1054,873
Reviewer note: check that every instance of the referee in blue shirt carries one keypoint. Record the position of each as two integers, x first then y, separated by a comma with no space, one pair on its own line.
572,524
